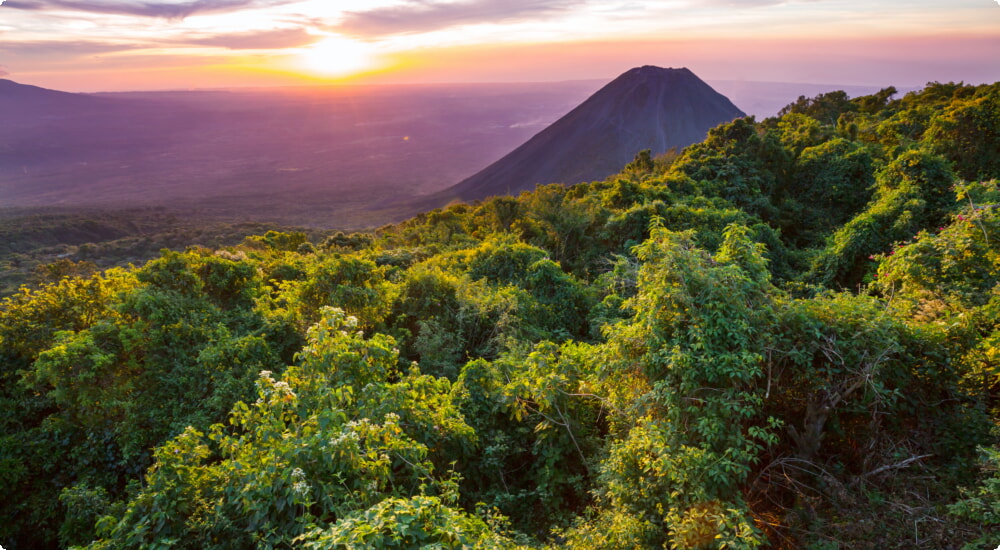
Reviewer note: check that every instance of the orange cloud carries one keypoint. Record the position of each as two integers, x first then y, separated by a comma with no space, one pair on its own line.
870,61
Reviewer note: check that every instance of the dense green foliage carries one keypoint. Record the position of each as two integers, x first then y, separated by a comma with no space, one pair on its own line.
45,245
785,336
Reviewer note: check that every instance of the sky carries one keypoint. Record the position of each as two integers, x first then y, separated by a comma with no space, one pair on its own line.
116,45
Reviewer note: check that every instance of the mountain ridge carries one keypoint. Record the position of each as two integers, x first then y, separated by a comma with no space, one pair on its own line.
646,107
30,95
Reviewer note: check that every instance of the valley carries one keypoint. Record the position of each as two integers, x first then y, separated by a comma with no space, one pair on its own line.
323,157
312,157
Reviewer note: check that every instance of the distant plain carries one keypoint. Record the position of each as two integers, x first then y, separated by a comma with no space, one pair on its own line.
323,157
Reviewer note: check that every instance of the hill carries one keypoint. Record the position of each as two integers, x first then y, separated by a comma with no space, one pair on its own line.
785,337
645,108
17,98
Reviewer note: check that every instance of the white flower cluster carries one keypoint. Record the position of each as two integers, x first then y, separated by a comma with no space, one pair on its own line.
351,324
300,487
334,321
349,436
355,425
270,390
282,388
237,256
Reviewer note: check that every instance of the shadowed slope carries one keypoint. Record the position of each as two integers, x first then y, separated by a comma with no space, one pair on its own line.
644,108
23,101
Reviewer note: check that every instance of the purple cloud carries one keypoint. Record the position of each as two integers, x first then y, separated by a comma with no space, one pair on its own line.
744,3
60,47
428,15
260,40
169,10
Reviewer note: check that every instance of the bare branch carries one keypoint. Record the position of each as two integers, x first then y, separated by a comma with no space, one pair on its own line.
897,466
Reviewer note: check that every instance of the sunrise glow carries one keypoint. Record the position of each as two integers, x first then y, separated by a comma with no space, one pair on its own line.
152,44
337,57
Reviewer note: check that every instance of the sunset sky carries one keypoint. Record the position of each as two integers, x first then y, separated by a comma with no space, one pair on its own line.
105,45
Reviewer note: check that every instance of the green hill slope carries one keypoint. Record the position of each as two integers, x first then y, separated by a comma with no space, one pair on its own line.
783,337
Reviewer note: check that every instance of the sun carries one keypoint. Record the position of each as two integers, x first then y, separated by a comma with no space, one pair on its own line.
337,57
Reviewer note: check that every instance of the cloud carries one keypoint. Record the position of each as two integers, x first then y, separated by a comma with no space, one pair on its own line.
260,40
741,3
75,48
428,15
3,70
169,10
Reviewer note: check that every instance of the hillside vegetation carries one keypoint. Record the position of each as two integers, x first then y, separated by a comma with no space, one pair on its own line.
44,245
786,336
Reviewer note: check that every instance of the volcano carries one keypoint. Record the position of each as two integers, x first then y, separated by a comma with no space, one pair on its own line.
645,108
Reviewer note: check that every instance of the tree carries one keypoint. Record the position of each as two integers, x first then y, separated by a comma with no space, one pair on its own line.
694,425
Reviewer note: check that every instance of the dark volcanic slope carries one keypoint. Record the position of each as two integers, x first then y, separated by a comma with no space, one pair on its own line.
645,108
18,101
12,91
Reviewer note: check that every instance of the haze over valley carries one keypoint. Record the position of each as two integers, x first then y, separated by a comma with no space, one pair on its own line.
326,157
115,177
306,156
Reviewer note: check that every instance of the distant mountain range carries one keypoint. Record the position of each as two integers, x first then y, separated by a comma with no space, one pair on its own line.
645,108
23,103
13,93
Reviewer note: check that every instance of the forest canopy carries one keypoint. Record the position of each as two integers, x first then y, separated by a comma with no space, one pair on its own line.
784,336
